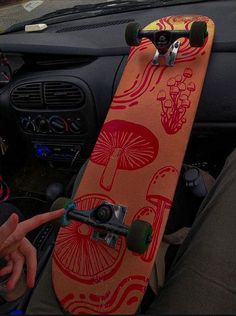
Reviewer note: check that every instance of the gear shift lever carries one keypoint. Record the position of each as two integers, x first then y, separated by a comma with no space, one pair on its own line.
54,191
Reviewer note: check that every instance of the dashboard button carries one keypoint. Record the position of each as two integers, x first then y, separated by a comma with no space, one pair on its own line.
57,124
75,126
42,124
28,125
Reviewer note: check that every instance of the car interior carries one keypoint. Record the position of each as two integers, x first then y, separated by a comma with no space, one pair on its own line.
56,87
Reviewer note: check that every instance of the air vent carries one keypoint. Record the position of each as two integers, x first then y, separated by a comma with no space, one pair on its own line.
62,95
28,96
48,95
93,26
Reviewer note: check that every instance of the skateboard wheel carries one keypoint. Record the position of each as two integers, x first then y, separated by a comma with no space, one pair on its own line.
197,34
139,236
60,203
132,34
63,221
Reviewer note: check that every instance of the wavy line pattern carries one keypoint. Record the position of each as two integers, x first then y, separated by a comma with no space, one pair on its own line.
127,292
151,75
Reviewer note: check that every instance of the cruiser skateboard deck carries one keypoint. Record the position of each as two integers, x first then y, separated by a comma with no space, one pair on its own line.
103,258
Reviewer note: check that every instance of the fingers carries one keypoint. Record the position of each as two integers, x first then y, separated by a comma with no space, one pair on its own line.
10,245
25,254
30,254
18,262
8,228
38,220
7,269
13,241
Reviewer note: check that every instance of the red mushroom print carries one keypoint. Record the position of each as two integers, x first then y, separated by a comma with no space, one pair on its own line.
153,216
74,242
182,86
171,82
191,87
157,196
188,73
173,111
162,95
123,145
178,78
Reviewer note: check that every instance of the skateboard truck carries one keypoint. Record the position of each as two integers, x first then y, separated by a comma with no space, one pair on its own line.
167,58
108,221
166,41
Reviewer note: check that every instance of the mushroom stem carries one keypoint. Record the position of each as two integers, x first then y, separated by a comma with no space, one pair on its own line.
156,226
110,170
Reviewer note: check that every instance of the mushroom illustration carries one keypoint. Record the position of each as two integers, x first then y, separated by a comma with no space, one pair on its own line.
174,91
188,73
167,105
186,103
154,217
75,242
175,107
178,78
171,82
182,86
191,87
183,97
160,193
123,145
161,95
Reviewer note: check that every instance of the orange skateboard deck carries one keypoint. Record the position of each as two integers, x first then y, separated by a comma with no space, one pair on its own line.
136,162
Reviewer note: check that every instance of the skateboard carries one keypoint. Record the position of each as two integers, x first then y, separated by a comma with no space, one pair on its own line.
105,252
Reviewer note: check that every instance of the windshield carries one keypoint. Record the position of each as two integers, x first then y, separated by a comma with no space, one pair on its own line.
13,12
17,11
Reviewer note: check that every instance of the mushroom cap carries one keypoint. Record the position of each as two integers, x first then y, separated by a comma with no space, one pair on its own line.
174,90
161,95
171,82
168,104
178,78
191,86
74,242
188,73
182,86
138,145
186,103
158,190
183,97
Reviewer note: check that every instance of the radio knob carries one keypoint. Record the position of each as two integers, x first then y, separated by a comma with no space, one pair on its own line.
42,124
58,125
75,127
28,125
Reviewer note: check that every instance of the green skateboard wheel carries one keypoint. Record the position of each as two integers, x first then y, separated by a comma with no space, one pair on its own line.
139,236
67,204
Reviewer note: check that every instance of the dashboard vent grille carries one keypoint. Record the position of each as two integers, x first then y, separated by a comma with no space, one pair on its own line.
28,96
94,26
48,95
62,94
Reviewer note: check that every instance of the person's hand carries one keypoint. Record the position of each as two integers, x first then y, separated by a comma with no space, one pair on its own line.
17,250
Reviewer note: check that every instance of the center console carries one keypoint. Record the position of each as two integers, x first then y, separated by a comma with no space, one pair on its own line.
57,115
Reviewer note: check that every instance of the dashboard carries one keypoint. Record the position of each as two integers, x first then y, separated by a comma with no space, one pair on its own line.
64,78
